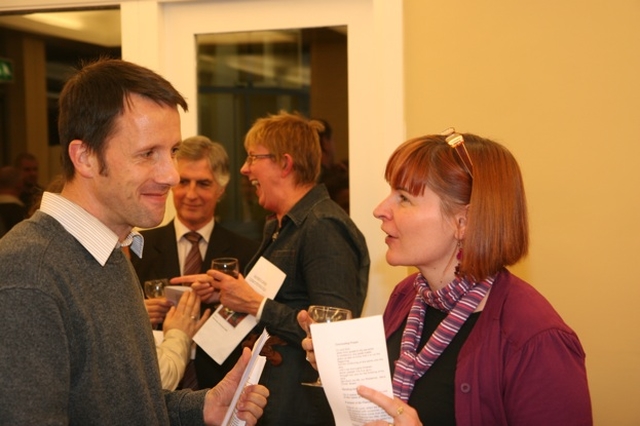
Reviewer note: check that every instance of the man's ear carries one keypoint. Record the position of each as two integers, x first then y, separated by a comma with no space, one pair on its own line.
84,160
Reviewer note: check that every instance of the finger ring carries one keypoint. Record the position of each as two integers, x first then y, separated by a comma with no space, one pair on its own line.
193,317
399,411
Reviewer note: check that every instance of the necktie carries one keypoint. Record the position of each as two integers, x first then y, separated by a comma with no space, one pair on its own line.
192,265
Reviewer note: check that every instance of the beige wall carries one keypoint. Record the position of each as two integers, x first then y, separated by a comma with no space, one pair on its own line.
557,83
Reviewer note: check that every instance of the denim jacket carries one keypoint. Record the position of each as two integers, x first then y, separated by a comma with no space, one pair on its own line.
325,258
326,261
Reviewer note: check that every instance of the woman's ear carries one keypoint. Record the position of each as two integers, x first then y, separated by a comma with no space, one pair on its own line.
287,165
461,222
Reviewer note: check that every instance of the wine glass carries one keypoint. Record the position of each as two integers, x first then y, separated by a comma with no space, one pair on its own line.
155,288
326,314
227,265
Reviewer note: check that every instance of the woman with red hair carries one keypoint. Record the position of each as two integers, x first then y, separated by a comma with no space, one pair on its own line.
469,343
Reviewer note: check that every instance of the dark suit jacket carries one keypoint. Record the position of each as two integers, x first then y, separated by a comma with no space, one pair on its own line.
160,260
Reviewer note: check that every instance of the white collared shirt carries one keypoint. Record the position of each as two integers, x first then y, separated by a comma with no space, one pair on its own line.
184,245
95,236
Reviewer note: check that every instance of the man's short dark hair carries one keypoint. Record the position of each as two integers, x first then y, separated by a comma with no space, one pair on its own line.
96,95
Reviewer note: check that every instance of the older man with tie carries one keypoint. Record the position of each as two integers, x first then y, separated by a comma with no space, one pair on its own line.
189,243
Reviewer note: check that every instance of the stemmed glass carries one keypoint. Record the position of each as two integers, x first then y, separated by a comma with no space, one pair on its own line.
326,314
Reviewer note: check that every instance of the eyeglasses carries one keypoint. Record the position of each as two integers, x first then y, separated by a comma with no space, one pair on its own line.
456,141
251,158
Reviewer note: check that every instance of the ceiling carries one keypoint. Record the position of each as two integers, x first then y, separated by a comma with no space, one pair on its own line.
73,34
100,27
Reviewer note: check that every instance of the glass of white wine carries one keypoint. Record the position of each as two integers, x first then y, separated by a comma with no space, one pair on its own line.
326,314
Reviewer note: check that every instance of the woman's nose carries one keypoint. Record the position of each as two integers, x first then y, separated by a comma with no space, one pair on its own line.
381,210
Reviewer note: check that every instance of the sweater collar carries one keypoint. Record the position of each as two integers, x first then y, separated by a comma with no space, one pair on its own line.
94,235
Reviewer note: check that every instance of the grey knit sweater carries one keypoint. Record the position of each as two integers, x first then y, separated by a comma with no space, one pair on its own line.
75,340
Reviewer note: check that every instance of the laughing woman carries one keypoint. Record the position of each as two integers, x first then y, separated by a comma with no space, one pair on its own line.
469,343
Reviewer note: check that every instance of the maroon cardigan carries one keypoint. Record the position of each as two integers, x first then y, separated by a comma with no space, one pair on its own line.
521,364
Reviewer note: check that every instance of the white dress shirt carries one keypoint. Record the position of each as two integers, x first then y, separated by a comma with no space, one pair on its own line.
184,245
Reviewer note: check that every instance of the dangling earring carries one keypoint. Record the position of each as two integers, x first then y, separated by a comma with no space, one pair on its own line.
458,258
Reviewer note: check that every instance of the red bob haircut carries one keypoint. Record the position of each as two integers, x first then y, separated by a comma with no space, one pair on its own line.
497,232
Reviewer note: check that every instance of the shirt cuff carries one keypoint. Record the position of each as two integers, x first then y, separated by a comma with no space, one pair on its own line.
264,301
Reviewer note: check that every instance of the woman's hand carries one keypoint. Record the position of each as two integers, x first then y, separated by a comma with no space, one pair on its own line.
186,316
307,344
403,414
236,293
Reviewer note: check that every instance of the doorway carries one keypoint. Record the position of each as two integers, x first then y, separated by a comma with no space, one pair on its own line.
243,76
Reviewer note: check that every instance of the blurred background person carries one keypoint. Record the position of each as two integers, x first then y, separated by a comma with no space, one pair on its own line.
12,209
314,242
335,175
327,146
203,167
31,190
337,182
468,342
55,186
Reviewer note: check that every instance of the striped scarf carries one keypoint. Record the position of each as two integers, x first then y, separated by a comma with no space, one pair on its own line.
459,298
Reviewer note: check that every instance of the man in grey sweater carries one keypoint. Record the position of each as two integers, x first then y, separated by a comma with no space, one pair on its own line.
76,341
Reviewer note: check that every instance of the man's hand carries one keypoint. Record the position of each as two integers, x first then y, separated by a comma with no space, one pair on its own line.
157,309
201,284
251,403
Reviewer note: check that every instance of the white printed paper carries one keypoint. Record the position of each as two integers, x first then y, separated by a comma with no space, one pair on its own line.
225,329
250,376
349,354
174,293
